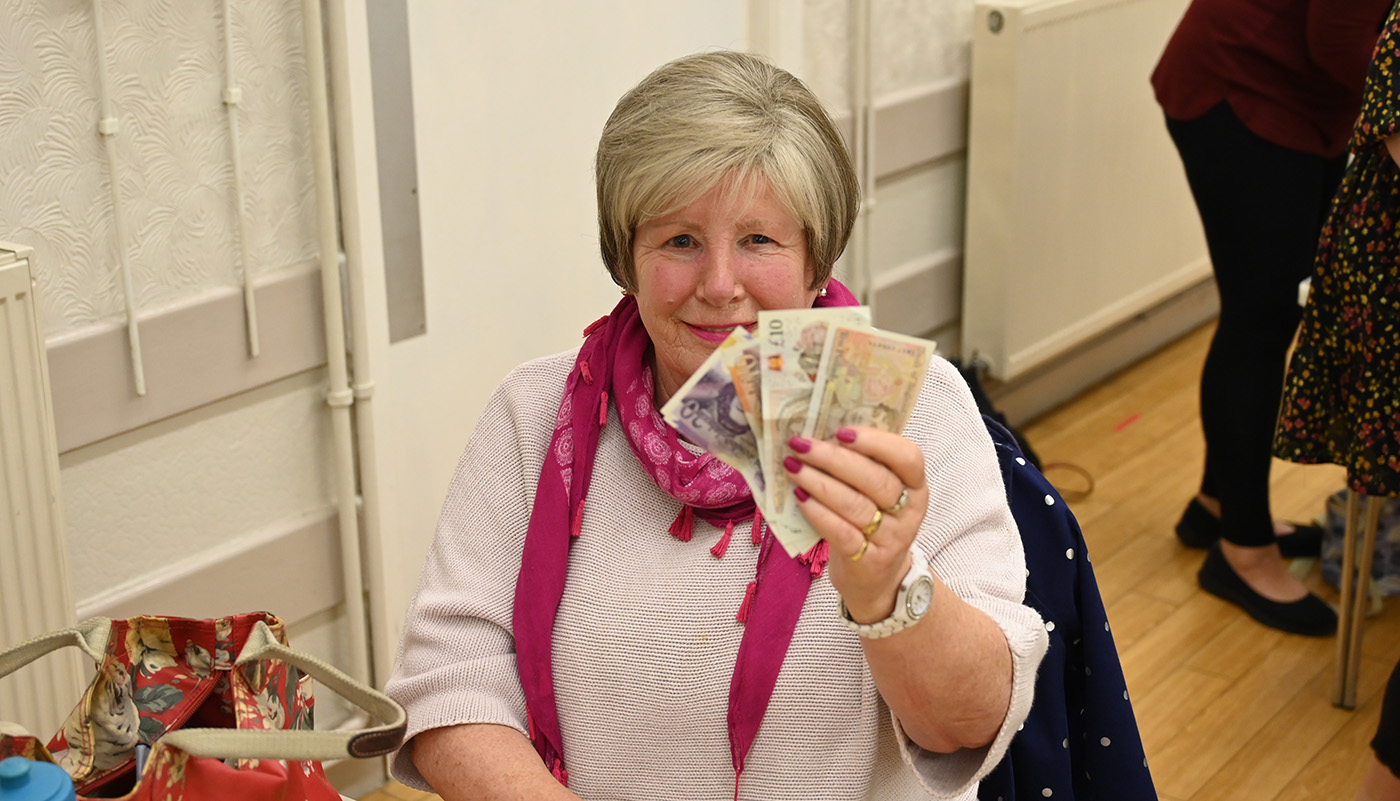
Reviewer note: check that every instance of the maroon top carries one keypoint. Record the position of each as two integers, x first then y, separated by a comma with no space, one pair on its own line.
1291,70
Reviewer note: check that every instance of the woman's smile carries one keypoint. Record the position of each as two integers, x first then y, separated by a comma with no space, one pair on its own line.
718,334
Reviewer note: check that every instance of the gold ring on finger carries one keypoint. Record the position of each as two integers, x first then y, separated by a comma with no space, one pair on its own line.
899,504
874,523
858,554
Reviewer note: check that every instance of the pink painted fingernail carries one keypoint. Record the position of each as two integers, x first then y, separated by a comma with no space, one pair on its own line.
801,494
791,464
800,444
846,435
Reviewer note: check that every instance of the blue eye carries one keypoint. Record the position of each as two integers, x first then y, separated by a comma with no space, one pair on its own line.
760,239
682,241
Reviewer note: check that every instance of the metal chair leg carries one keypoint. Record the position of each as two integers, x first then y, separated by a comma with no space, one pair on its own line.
1346,587
1356,582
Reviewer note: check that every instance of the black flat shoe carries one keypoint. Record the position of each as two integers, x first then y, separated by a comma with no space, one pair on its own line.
1198,528
1310,616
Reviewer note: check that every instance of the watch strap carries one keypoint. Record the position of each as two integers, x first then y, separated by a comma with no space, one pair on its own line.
900,619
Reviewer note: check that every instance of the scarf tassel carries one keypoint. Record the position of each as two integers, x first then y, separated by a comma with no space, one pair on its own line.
816,558
756,533
576,527
603,410
594,326
743,615
684,526
586,371
723,545
556,765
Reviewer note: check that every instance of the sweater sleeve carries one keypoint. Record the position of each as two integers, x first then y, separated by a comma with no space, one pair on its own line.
973,545
456,660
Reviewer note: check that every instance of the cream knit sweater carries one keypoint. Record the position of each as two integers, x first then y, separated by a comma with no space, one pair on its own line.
645,639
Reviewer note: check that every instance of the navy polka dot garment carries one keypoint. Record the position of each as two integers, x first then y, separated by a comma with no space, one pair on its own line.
1080,740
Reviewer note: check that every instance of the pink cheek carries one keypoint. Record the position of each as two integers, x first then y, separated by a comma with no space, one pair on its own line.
774,292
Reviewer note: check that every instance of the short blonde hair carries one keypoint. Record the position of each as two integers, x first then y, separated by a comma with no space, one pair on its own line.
705,118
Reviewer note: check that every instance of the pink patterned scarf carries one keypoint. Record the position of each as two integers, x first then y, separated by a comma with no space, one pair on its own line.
613,365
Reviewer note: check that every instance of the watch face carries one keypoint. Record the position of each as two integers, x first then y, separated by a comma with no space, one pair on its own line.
920,596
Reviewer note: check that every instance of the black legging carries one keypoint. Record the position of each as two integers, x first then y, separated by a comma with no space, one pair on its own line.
1386,743
1262,207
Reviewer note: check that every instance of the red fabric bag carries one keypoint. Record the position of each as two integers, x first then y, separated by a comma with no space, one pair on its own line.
224,706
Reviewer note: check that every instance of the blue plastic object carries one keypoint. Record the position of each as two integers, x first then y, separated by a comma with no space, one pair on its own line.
23,780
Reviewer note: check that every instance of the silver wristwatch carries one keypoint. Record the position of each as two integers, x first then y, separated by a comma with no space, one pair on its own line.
910,605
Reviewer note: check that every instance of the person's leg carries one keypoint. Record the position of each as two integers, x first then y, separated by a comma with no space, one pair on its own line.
1261,206
1381,782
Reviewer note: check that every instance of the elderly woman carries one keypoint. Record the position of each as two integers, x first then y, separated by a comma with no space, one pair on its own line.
576,635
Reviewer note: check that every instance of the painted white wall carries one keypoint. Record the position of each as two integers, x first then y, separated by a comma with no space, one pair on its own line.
510,100
919,212
141,501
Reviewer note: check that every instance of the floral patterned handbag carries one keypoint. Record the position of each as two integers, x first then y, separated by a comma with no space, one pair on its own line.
222,707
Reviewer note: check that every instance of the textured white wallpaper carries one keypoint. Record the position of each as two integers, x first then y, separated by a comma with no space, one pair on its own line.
913,42
918,42
167,67
826,51
169,491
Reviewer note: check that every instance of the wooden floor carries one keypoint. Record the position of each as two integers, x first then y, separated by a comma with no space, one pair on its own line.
1228,709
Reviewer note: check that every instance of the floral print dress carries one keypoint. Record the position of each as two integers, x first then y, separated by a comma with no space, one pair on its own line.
1341,400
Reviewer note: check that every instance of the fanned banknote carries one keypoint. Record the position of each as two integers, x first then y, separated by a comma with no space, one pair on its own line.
868,378
740,356
707,411
808,372
791,342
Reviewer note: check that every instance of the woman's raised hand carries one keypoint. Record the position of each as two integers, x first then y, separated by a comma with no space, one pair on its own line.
866,495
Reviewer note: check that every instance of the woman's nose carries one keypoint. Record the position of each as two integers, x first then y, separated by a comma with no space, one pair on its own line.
720,283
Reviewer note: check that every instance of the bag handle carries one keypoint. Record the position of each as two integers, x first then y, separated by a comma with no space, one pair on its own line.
90,635
301,745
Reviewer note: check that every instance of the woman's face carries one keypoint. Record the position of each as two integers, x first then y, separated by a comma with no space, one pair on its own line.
705,268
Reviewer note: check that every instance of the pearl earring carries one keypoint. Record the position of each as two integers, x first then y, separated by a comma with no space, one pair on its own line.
823,292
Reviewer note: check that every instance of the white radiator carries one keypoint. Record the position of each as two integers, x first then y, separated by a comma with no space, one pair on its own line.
35,591
1078,212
